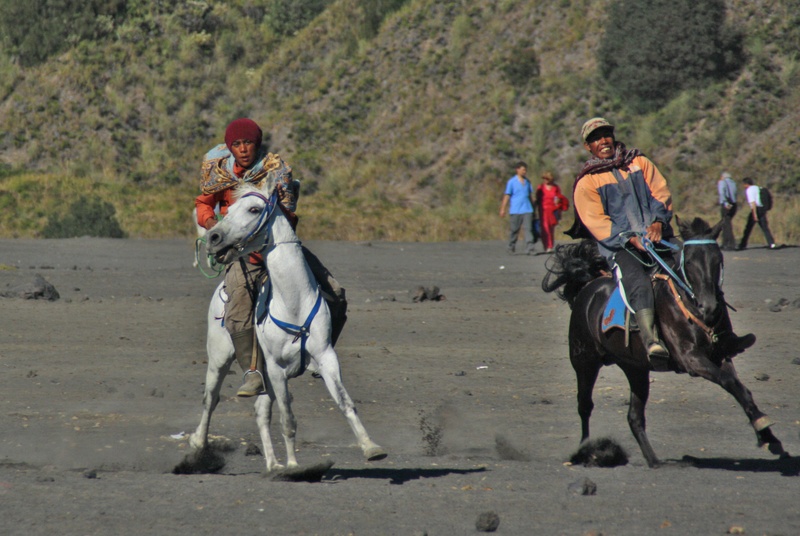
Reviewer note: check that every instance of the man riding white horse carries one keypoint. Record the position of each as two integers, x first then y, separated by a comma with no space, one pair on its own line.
243,159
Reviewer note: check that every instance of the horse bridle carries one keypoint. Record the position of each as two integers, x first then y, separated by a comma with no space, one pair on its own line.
263,219
671,278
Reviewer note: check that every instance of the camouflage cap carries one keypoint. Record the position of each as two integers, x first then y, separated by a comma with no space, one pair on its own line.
593,124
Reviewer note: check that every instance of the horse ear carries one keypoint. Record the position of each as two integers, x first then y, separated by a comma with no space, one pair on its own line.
716,230
681,225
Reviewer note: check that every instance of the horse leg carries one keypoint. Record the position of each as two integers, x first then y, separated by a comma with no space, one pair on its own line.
220,358
639,382
586,371
331,374
729,380
264,419
280,388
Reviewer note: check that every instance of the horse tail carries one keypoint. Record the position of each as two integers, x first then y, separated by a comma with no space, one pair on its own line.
572,267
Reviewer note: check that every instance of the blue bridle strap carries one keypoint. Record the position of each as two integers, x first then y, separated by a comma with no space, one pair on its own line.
300,332
695,242
682,282
263,218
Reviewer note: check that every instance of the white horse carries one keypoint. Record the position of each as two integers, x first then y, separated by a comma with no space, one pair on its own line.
257,222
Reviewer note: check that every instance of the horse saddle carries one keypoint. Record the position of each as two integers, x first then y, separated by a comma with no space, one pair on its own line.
614,315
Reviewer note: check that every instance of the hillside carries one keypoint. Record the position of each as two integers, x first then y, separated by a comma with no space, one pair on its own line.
403,126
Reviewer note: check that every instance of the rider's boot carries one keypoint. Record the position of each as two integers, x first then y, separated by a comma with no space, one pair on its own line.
657,351
243,344
729,344
338,308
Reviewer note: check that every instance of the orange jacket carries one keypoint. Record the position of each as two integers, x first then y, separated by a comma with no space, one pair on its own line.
613,211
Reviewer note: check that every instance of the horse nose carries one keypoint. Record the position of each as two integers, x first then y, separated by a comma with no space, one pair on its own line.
214,238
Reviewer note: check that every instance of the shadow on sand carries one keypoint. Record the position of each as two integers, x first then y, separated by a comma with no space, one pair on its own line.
397,476
786,466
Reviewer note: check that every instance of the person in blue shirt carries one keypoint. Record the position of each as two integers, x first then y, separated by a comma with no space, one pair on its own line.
726,189
519,201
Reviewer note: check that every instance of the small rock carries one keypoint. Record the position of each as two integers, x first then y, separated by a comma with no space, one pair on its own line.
487,521
90,473
796,361
583,486
762,376
38,289
252,450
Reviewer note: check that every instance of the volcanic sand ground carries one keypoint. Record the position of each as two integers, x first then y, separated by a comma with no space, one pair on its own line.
473,397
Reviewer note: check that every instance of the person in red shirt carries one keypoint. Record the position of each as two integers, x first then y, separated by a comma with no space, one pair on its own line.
243,159
551,203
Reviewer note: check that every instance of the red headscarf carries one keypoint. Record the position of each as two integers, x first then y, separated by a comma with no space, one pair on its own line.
243,129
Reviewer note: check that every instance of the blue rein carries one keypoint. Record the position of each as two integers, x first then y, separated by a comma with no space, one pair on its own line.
682,282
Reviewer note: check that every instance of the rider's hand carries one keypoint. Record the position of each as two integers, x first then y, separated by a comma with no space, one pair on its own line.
654,232
210,222
635,242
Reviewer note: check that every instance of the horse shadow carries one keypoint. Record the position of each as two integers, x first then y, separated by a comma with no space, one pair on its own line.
786,465
397,476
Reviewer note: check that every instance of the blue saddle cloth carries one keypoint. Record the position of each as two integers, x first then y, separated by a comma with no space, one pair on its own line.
614,313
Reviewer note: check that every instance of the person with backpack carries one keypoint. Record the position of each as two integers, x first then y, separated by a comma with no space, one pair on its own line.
757,213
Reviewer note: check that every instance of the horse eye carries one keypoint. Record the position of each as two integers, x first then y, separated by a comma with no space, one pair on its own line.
255,210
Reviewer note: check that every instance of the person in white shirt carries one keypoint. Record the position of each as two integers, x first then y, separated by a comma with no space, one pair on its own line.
757,213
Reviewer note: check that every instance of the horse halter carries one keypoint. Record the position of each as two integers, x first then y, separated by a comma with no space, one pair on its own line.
263,218
686,285
699,242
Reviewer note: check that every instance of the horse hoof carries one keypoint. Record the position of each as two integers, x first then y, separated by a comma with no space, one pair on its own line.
197,444
762,423
374,454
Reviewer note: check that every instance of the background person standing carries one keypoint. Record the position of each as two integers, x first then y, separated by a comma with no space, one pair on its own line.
726,189
518,200
551,203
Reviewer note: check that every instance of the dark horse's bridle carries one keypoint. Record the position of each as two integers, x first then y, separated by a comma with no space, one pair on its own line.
671,278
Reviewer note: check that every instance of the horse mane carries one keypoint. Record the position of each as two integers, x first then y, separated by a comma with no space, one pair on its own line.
572,267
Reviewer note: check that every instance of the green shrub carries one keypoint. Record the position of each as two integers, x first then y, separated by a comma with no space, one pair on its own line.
521,65
287,17
85,217
34,30
653,49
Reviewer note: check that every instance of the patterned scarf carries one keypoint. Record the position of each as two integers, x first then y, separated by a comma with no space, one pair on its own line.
215,175
622,159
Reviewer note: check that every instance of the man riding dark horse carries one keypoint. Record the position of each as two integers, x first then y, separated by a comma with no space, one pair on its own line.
622,202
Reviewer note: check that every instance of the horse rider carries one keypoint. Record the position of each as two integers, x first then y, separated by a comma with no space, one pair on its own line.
243,159
620,196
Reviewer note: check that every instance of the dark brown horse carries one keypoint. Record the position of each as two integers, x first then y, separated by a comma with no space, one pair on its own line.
684,308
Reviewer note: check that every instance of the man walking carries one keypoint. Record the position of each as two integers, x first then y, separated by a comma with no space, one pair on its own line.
758,213
726,189
519,201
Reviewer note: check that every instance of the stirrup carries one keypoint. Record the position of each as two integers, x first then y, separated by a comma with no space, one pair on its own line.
262,389
659,359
